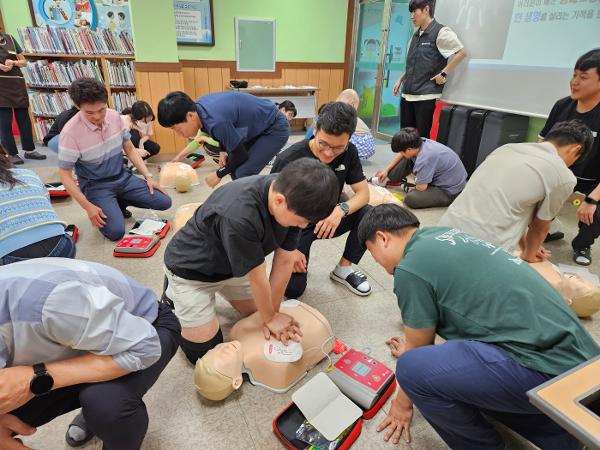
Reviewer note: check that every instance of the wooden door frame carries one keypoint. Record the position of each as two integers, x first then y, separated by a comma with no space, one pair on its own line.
348,50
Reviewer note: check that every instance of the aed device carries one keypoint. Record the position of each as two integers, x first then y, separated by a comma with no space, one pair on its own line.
137,246
57,190
363,379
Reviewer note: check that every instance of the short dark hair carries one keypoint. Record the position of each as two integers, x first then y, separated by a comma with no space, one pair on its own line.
336,118
87,90
140,110
572,132
121,15
174,107
589,60
406,138
287,105
386,217
311,189
421,4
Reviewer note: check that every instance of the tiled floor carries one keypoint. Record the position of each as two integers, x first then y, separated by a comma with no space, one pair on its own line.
180,419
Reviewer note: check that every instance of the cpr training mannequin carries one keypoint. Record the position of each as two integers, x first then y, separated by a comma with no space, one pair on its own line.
178,175
316,342
582,296
183,214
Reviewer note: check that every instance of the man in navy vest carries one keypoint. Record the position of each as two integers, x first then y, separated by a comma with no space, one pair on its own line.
427,67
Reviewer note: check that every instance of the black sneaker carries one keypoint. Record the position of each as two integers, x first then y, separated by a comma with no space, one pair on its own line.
353,282
34,155
583,256
126,213
16,160
556,236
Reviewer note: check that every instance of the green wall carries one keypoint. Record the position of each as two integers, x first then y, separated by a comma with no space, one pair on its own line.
15,14
535,126
153,25
306,31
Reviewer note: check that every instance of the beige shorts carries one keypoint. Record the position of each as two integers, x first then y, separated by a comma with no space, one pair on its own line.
195,300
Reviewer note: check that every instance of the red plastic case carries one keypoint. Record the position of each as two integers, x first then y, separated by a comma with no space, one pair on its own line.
146,254
287,422
195,159
54,192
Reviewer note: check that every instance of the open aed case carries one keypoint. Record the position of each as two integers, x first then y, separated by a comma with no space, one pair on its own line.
140,246
289,421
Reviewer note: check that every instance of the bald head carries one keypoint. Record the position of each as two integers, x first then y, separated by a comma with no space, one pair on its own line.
350,97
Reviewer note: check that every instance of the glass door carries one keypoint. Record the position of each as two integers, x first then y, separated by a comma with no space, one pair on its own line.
399,32
367,48
381,34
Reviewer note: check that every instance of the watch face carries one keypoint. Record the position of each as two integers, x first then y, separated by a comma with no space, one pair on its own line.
41,384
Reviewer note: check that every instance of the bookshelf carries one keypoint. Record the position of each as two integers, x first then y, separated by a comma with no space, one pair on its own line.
57,57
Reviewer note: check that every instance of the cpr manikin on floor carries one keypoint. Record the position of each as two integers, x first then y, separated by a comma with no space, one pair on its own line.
219,372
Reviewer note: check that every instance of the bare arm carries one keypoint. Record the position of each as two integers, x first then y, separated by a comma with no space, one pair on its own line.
360,197
66,178
135,158
280,326
281,271
399,156
421,187
455,60
534,239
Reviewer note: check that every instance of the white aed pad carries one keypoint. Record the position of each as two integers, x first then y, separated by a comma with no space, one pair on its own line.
325,407
277,351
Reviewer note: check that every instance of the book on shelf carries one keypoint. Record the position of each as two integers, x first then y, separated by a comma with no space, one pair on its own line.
75,41
121,73
123,99
41,126
49,104
42,73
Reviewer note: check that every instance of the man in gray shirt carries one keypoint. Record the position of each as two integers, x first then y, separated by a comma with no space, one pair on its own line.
515,193
76,334
440,174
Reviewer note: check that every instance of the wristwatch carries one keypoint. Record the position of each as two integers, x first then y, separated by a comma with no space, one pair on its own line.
42,381
590,200
444,74
344,207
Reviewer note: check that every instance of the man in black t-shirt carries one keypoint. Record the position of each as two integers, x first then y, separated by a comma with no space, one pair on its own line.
584,104
222,249
331,145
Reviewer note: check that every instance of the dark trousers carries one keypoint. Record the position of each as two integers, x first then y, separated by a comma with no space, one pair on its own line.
432,197
456,384
58,247
150,146
24,124
353,251
587,233
262,149
115,195
114,410
418,115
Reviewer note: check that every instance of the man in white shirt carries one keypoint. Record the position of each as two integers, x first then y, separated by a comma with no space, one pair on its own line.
515,193
427,67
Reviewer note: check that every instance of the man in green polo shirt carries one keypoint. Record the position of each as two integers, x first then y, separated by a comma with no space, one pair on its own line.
507,331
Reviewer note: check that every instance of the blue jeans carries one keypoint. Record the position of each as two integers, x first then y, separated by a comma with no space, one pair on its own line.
64,248
53,143
114,195
455,384
262,149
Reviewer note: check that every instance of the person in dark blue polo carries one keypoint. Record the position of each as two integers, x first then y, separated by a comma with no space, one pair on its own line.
250,129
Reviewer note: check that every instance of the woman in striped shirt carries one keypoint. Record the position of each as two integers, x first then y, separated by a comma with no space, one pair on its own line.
29,227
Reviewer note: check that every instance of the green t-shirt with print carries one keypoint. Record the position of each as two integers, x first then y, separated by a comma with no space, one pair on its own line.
467,288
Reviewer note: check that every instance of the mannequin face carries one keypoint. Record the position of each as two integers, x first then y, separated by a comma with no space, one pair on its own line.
227,359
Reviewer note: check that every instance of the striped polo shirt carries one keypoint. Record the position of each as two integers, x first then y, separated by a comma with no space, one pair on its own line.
52,309
95,152
26,215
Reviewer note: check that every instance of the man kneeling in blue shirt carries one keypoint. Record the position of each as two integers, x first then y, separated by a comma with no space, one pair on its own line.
439,173
250,129
77,334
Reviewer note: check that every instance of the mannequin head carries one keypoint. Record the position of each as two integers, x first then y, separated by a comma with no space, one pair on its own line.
219,372
173,174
